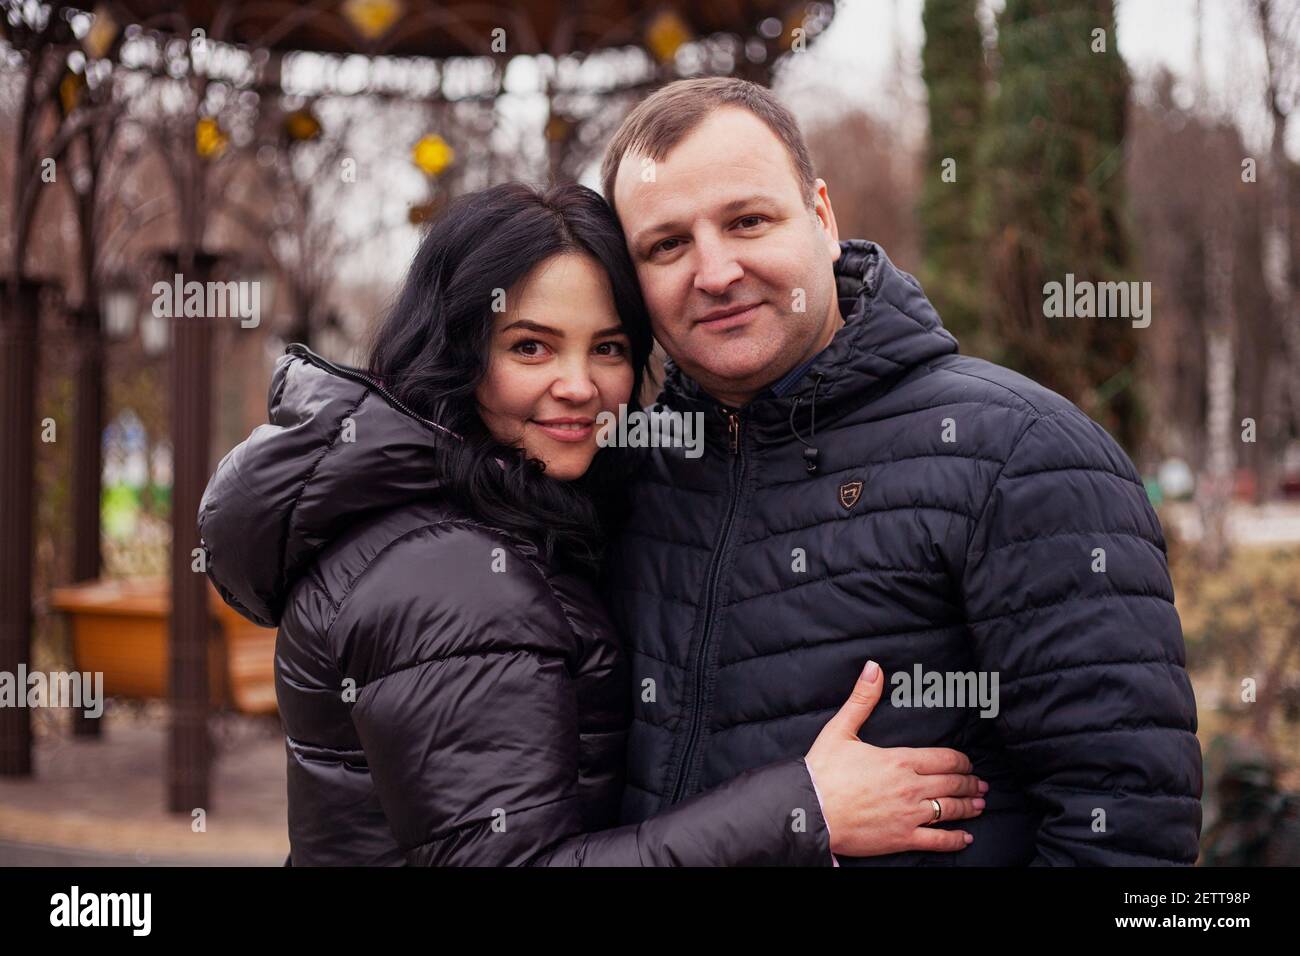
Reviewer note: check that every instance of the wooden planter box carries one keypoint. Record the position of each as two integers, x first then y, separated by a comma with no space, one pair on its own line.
121,629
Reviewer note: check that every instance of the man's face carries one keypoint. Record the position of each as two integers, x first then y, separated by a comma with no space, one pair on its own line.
735,268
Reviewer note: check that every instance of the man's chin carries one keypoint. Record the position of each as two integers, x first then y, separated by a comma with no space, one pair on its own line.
736,377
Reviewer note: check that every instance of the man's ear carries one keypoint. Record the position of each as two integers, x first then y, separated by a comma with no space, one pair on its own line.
826,218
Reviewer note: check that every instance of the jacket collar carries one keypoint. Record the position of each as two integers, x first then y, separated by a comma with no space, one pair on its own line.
889,328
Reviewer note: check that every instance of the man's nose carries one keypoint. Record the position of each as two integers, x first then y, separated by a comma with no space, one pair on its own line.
716,267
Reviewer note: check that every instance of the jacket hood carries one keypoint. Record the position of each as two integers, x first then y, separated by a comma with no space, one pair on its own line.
335,447
889,327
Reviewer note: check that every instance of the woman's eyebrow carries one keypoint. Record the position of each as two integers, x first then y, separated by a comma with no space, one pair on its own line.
534,327
559,333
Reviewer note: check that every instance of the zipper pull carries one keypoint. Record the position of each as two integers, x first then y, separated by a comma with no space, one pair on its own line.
733,426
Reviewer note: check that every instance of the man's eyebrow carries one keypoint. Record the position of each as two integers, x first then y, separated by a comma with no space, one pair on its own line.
734,205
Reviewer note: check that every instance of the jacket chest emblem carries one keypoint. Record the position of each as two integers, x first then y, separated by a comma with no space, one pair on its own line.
850,492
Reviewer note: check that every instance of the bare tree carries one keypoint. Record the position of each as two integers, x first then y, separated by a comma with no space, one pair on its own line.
1278,25
1214,487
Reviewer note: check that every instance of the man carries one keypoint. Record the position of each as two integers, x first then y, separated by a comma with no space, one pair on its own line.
867,493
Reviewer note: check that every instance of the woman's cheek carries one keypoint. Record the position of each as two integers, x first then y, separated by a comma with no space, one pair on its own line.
615,386
507,397
526,385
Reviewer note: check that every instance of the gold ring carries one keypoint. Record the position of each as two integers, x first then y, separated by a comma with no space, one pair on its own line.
938,810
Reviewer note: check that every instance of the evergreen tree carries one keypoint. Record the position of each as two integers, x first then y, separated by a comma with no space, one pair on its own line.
1051,200
952,264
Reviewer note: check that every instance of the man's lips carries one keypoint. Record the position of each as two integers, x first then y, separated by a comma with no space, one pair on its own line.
566,429
721,319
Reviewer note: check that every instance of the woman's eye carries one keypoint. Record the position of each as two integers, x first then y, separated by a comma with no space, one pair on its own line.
529,348
611,349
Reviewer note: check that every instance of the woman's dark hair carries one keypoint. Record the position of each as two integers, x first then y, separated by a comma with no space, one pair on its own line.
431,352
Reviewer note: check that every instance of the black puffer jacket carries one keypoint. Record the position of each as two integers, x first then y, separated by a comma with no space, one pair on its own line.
447,698
956,522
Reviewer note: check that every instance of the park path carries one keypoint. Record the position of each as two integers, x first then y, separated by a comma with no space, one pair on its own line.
102,801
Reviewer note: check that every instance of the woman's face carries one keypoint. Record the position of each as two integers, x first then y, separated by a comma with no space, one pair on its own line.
558,358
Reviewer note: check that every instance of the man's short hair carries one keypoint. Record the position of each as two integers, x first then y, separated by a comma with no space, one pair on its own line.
667,116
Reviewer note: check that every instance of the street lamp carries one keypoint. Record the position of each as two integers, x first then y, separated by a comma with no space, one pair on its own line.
155,333
118,305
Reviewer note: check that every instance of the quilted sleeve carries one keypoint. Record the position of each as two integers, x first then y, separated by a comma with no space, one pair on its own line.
1069,601
473,746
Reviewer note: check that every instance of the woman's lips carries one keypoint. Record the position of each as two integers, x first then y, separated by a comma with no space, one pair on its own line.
574,431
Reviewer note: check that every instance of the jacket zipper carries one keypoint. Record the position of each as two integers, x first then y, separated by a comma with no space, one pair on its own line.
356,375
734,427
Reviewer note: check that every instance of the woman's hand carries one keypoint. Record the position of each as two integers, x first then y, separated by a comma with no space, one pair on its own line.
877,800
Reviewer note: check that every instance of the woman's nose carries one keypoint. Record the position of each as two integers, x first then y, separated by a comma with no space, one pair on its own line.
574,385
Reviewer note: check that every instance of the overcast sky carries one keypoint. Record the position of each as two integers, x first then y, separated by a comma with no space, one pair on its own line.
859,44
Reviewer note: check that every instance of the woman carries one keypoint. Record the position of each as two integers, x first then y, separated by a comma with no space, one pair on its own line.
424,534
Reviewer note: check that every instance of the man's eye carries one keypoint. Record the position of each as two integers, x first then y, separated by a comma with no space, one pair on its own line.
663,246
748,222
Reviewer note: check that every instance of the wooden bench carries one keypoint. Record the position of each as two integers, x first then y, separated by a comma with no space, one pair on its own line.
121,629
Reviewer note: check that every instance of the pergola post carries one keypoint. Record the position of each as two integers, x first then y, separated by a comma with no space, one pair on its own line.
19,317
190,747
87,462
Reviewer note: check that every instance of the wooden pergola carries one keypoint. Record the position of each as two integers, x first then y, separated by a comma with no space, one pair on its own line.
440,30
400,28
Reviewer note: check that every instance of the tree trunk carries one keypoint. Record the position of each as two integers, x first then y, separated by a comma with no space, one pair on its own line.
1214,491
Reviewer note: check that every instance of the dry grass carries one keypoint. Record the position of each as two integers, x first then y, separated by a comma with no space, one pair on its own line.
1238,623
